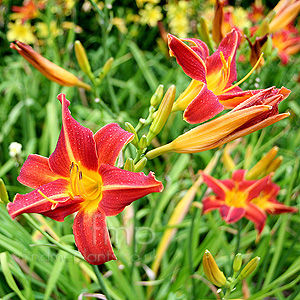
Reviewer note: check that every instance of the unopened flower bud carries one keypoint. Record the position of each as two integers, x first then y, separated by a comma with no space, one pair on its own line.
3,193
204,32
156,97
212,271
107,66
162,114
140,165
260,167
82,59
131,129
249,268
129,165
268,46
48,68
237,263
228,161
274,165
143,143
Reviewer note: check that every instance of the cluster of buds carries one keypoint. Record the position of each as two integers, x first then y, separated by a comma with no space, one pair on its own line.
217,277
157,118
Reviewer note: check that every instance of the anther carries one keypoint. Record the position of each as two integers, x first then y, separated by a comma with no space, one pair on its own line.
47,198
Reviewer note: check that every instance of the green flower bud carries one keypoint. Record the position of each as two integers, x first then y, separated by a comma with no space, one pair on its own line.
129,165
162,113
3,193
249,268
131,129
237,263
107,66
82,59
140,165
143,142
156,98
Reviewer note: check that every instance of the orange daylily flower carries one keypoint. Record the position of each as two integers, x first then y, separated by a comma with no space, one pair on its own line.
211,89
255,113
237,197
50,70
80,176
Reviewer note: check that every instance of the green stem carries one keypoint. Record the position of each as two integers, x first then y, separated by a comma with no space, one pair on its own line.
282,232
133,243
191,260
103,105
101,282
112,95
51,239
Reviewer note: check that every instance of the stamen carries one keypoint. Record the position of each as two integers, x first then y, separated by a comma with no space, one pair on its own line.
47,198
246,77
81,186
72,179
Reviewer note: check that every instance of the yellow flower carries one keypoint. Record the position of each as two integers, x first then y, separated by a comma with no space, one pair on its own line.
140,3
43,30
70,25
120,24
151,15
21,32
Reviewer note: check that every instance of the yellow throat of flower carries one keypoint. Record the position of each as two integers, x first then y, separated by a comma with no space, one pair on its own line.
87,184
84,184
217,82
236,198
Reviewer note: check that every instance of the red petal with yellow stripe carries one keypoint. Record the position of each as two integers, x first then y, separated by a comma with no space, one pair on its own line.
120,188
110,140
204,107
191,63
35,202
75,144
36,171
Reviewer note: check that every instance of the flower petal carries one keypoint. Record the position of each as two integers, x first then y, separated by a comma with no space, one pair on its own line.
216,185
234,98
211,203
61,210
110,140
120,188
275,207
256,215
228,47
191,63
257,187
34,202
204,107
36,171
200,48
92,237
231,214
75,144
238,175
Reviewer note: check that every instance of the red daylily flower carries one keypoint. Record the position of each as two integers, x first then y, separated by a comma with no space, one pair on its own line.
237,197
211,89
80,176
